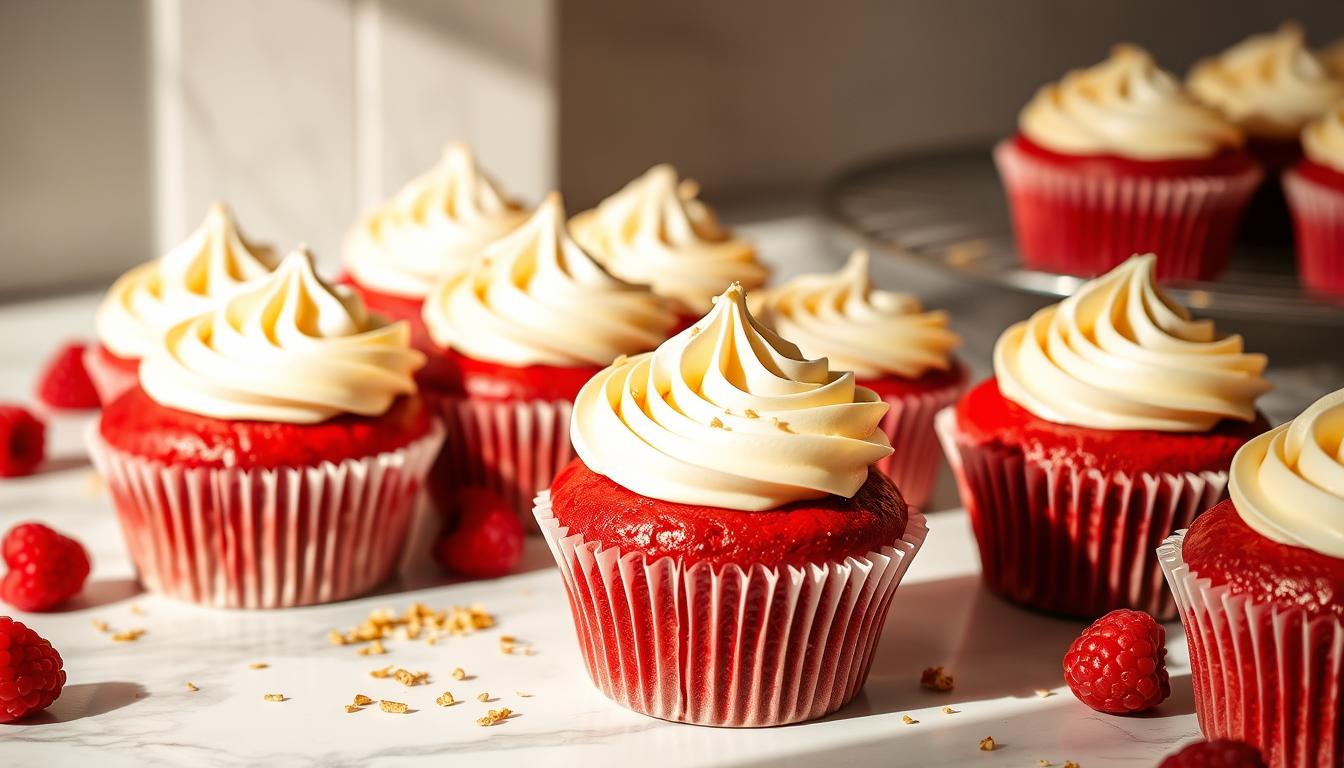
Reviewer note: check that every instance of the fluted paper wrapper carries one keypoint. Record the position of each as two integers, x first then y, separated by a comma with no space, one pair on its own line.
1076,542
266,538
1085,223
915,460
727,646
109,381
1318,223
514,448
1265,674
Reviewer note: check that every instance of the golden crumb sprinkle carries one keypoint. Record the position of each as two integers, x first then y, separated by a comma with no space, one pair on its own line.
522,695
258,665
352,708
409,678
415,622
362,701
782,425
192,687
459,674
495,716
750,414
908,720
695,331
483,696
382,673
950,711
445,700
128,636
935,679
1071,764
1044,692
374,648
715,423
274,697
137,610
620,360
335,637
100,625
395,707
987,744
1043,763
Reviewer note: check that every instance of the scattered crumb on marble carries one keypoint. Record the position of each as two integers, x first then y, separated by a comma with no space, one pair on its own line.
275,697
409,678
1043,763
1044,693
495,716
374,648
935,679
908,720
258,665
395,707
418,620
483,696
137,610
352,708
101,626
445,700
950,711
192,687
128,636
987,744
459,674
382,673
522,695
362,701
1071,764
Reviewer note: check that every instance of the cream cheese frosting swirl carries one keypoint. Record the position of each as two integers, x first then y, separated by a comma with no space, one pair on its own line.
1125,106
657,232
856,326
1323,139
537,298
1119,354
212,263
289,349
436,222
1270,84
1288,484
727,414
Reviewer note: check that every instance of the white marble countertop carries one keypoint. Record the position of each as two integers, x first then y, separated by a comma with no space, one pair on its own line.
127,703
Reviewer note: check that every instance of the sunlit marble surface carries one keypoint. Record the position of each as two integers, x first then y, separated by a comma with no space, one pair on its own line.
127,704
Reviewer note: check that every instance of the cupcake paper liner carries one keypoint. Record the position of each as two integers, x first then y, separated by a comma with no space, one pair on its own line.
1318,223
727,646
514,448
915,460
109,381
1266,674
265,538
1077,542
1085,224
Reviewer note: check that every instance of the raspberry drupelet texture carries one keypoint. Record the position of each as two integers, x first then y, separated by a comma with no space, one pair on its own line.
1117,665
65,384
23,441
31,676
1218,753
45,568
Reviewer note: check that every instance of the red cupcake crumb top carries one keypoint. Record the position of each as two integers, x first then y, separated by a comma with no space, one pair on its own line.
899,386
824,530
1321,174
1225,163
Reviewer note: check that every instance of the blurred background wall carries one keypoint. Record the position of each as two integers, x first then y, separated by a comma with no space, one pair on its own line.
121,119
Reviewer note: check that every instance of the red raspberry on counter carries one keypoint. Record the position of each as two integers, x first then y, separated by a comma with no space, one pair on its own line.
488,540
1117,665
65,384
1218,753
30,671
23,441
45,568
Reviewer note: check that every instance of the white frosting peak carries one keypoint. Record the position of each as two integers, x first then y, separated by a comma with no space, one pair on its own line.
727,414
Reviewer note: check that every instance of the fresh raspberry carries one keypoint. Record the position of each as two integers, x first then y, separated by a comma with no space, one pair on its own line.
65,384
1219,753
488,540
30,671
23,441
45,568
1117,665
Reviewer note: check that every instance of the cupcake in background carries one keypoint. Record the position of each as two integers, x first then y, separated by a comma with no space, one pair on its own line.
892,345
213,263
1118,159
656,231
1111,421
438,222
1315,191
522,329
1259,580
728,549
274,451
1332,56
1270,85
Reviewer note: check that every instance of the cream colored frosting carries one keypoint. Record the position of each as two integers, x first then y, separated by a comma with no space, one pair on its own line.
657,232
536,297
1269,84
436,222
211,264
1125,106
856,326
1288,484
727,414
289,348
1119,354
1323,139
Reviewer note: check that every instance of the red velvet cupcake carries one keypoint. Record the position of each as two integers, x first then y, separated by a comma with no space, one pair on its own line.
728,548
1315,189
1111,422
212,264
894,348
521,331
275,450
1259,580
1118,159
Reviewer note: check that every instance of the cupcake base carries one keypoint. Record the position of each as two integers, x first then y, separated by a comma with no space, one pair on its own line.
915,460
1263,673
1318,223
727,646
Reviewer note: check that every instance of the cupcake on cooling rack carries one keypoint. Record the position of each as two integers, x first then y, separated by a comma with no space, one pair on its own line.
892,345
657,231
1111,420
1259,580
1315,191
274,451
728,547
522,330
210,265
435,224
1119,159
